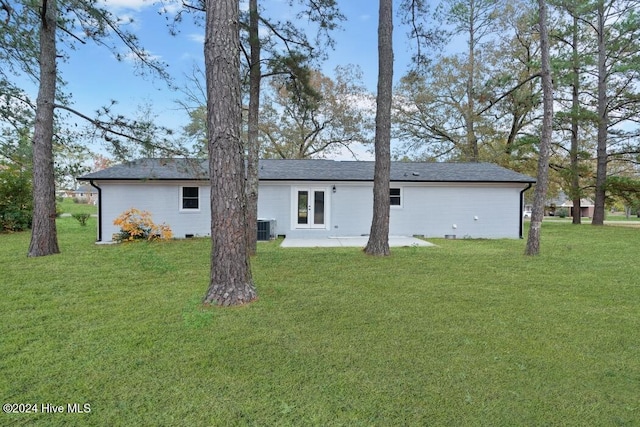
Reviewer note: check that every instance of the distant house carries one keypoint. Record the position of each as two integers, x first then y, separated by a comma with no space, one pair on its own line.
65,193
563,202
586,207
323,198
86,194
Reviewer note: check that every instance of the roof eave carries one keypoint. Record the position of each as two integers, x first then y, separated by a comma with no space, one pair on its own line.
85,178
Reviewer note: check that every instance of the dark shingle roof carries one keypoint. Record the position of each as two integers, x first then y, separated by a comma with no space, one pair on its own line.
153,169
313,170
85,188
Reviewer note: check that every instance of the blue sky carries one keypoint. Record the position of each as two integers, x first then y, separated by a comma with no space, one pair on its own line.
95,77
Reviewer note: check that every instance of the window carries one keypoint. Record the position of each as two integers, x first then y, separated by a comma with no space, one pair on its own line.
190,198
395,198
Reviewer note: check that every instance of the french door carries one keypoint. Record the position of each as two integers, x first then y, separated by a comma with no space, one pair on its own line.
311,208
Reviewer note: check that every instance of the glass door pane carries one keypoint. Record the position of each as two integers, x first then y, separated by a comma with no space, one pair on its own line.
318,207
303,207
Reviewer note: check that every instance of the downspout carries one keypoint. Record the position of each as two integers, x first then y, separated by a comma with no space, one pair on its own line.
521,210
99,209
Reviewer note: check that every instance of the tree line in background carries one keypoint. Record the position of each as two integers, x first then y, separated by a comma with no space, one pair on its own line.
473,93
484,103
480,98
34,36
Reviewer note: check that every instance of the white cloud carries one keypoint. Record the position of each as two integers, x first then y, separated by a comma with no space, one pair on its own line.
196,37
129,19
132,57
188,57
127,4
171,8
356,151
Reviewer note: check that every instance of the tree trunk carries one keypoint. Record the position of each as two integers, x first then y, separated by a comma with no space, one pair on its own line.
601,170
472,141
378,243
575,114
231,282
540,194
44,240
253,148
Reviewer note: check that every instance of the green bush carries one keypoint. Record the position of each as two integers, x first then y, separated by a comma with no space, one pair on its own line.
82,218
16,204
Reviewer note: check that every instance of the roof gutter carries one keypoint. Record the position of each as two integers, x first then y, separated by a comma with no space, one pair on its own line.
99,209
522,211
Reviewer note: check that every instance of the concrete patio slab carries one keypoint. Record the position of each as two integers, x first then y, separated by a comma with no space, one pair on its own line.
347,241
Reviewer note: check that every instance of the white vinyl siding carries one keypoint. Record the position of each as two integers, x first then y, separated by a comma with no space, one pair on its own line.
429,209
477,210
160,198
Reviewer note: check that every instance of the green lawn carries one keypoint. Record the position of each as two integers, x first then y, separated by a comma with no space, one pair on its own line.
622,217
610,217
70,207
468,333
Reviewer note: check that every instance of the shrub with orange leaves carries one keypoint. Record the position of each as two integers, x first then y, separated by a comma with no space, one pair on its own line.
137,225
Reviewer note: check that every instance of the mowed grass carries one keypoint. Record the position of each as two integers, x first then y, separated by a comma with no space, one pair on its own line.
622,217
68,206
470,332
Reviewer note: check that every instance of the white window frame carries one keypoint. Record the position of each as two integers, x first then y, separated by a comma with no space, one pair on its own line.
181,199
401,197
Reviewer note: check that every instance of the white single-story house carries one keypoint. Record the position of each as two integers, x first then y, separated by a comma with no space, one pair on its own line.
323,198
86,193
